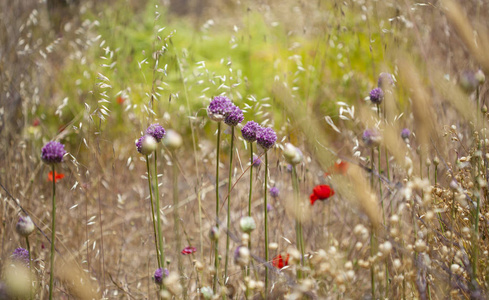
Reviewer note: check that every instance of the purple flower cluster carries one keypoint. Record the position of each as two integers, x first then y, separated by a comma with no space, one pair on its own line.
160,274
371,137
274,192
218,108
376,95
266,137
256,161
53,152
234,116
157,131
223,109
405,133
249,131
385,80
21,255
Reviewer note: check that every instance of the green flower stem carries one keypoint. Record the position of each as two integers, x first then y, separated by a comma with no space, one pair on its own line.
372,234
298,221
266,224
28,249
158,216
53,238
176,217
247,292
216,242
152,211
229,202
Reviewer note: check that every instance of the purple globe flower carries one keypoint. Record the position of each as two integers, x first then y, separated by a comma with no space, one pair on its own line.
371,137
52,153
274,192
266,137
256,161
405,133
160,274
385,80
249,131
21,255
157,131
376,95
219,108
234,116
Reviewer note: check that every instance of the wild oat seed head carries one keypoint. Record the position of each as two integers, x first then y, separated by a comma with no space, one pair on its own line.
52,153
146,144
274,192
376,95
218,108
25,226
157,131
21,255
266,137
160,274
234,116
249,131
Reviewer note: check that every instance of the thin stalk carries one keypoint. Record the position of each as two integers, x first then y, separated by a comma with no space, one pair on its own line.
380,187
216,242
229,202
372,235
53,238
298,220
158,215
30,264
249,209
266,224
152,211
176,217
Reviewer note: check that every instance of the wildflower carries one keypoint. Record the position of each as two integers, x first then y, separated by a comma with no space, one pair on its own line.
266,137
247,224
234,116
36,122
269,207
321,192
256,161
157,131
468,81
160,274
292,154
120,100
405,133
188,250
249,131
376,95
218,108
25,226
53,152
274,192
146,144
214,233
279,261
57,176
21,255
207,292
173,140
340,167
371,137
289,168
242,256
480,77
385,81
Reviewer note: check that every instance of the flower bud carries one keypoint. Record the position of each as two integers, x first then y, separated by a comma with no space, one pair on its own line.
292,154
146,144
214,233
247,224
242,256
173,140
25,226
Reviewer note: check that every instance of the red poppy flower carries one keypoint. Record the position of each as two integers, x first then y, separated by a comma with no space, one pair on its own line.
321,192
338,168
36,122
188,250
120,99
279,262
57,176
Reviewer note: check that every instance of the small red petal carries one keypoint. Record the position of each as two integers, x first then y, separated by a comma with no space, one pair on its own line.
120,100
313,198
323,191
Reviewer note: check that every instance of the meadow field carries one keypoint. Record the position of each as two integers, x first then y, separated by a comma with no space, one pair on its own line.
248,149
